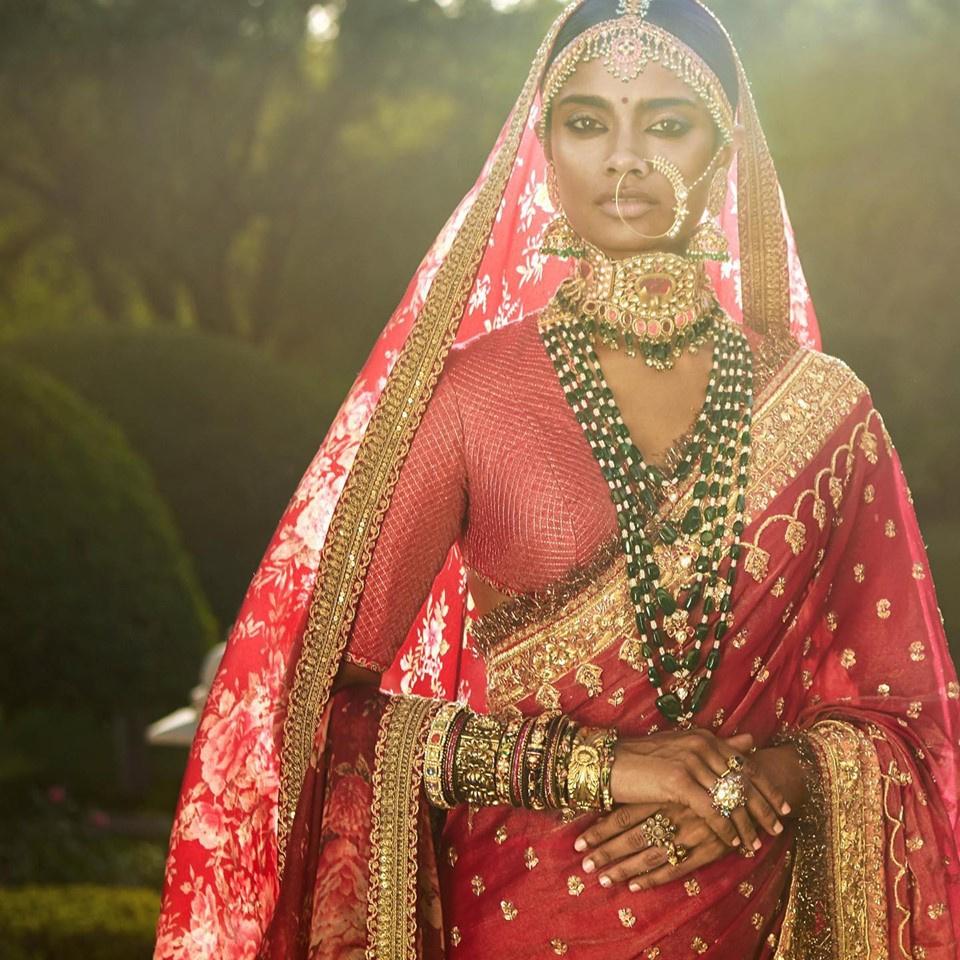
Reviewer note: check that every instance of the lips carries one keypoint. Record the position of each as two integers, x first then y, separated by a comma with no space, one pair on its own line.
633,195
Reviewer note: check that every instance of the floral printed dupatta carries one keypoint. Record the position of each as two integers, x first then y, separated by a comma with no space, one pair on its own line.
262,761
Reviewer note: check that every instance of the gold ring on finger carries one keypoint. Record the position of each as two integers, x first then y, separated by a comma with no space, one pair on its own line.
735,763
728,793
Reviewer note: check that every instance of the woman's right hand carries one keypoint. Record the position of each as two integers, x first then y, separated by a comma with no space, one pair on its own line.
680,767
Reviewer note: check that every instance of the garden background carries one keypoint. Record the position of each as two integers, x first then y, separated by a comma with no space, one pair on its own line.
207,212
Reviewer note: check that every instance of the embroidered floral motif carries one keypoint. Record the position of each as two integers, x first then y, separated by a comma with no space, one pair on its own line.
917,650
455,937
508,909
589,675
698,945
575,886
477,885
692,886
530,858
627,917
745,889
890,529
500,837
859,572
779,588
616,698
559,947
848,659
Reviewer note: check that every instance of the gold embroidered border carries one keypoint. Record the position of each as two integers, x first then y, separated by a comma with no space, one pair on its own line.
806,408
837,905
359,513
398,770
540,653
796,530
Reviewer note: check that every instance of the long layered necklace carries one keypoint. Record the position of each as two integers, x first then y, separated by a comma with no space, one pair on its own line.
716,458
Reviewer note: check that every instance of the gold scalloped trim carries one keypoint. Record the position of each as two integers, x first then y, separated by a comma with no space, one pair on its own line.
362,505
397,776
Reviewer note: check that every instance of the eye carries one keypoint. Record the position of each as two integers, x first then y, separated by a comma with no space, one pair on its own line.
670,127
584,124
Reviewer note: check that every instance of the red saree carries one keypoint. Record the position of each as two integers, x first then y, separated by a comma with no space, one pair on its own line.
301,830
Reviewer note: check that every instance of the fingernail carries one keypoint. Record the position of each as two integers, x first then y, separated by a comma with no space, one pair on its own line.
580,845
785,809
589,866
605,881
736,841
778,827
757,844
634,887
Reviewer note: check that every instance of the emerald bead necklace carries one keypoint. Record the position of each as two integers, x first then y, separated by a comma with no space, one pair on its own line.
716,458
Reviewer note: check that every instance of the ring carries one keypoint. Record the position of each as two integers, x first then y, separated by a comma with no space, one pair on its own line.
676,853
728,793
658,830
735,763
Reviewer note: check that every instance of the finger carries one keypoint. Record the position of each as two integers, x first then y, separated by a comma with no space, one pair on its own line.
771,792
762,812
632,867
746,828
742,742
623,818
692,794
704,854
628,843
705,776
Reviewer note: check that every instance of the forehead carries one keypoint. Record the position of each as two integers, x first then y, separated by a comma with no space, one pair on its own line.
655,82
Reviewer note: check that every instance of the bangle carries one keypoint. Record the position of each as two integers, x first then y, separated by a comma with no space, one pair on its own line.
435,754
475,761
589,768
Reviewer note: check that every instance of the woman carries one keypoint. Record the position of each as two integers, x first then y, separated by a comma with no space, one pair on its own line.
656,545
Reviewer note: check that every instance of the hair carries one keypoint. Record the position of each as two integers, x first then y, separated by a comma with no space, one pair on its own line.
687,20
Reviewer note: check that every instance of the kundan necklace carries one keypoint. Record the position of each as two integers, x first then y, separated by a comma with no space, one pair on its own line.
679,633
655,304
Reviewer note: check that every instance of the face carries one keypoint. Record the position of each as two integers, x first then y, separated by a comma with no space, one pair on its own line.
601,127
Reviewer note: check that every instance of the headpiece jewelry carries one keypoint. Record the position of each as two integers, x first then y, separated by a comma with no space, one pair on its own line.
626,44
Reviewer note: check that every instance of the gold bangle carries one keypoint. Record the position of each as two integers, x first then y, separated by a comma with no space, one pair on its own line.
588,766
434,753
475,762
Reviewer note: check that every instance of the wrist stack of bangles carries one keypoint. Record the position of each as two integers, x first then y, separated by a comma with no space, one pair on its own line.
541,763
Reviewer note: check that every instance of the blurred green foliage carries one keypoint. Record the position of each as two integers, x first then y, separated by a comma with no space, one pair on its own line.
216,167
226,430
114,621
96,923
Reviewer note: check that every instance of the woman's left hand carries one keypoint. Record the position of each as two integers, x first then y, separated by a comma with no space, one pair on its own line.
619,854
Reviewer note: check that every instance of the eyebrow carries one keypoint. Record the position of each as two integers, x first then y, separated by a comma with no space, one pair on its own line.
586,100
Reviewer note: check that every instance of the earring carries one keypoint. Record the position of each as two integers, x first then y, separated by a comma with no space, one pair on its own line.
559,239
709,242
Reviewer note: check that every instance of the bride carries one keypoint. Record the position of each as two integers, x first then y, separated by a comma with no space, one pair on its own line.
601,624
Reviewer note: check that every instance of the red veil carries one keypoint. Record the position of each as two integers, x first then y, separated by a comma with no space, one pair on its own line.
261,724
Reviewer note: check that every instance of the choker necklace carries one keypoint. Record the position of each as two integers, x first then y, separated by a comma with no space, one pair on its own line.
655,304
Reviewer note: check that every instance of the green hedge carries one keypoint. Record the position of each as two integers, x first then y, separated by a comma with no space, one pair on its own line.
227,432
100,608
89,922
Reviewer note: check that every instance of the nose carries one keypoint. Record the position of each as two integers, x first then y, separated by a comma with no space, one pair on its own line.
625,156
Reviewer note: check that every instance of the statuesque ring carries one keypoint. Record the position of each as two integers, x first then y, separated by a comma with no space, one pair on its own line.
728,793
735,763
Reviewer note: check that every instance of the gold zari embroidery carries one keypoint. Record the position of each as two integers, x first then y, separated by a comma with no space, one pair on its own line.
392,894
837,905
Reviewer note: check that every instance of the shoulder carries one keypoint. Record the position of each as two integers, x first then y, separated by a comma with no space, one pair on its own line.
492,357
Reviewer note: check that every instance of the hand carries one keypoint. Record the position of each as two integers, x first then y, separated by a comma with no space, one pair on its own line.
680,767
623,856
617,840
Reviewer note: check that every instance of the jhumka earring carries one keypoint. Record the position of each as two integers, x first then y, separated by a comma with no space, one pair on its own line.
709,242
559,239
